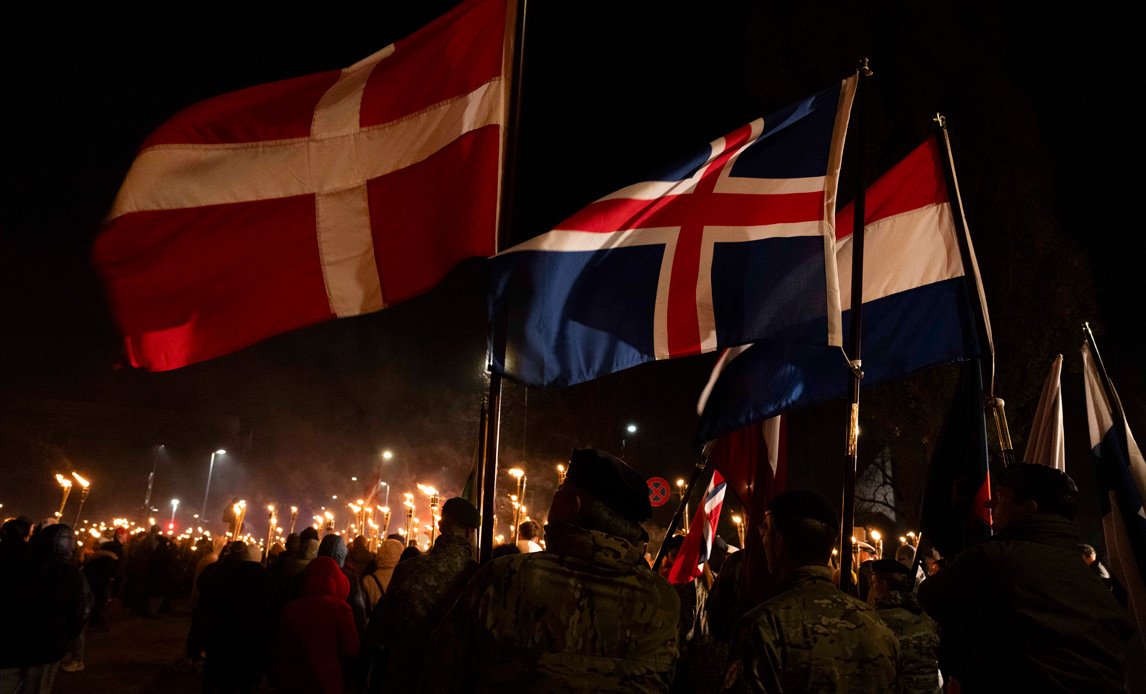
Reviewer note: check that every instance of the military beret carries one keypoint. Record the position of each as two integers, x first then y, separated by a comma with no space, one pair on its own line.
804,504
609,480
462,511
889,566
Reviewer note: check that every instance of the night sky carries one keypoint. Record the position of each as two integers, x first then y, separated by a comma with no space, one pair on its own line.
1042,131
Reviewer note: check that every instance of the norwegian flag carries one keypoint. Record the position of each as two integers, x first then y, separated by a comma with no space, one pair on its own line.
697,545
335,194
731,243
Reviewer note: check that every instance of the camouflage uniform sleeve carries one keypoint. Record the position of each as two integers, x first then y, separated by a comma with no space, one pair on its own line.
755,661
454,644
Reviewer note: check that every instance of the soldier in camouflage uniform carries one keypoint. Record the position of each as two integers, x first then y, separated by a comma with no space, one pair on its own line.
892,596
586,615
420,593
809,636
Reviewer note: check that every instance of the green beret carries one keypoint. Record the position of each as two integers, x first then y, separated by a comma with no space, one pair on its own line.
889,566
462,511
804,504
609,480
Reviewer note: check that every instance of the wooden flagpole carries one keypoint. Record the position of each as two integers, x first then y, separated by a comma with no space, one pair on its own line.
975,284
504,234
855,333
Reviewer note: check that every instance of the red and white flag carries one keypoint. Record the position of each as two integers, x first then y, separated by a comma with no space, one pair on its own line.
336,194
697,547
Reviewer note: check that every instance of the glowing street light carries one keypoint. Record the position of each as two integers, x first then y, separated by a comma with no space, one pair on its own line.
632,428
387,455
207,492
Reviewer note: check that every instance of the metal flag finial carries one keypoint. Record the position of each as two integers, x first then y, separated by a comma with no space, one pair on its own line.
864,69
940,120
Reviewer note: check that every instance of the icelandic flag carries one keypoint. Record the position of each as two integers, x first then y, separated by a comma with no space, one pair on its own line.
1046,445
918,307
1121,472
697,547
731,244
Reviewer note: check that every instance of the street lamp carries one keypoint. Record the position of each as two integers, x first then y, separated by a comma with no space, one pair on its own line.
387,485
210,469
387,455
67,485
631,429
83,496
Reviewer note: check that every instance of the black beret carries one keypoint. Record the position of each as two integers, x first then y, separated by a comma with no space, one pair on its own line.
462,511
804,504
611,482
889,566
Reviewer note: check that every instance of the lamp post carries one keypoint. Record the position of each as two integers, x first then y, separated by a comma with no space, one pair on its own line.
83,497
629,430
210,469
67,485
387,485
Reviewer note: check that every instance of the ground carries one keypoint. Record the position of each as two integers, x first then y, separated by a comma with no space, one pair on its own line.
135,656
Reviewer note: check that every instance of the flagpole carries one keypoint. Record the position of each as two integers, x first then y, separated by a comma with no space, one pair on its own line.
971,266
504,233
856,331
1115,404
676,516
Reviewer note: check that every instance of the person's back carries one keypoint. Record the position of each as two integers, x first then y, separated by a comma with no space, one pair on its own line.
374,584
587,615
316,632
809,636
1028,612
918,634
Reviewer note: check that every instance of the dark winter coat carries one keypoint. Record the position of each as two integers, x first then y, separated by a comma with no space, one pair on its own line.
49,603
1028,614
316,632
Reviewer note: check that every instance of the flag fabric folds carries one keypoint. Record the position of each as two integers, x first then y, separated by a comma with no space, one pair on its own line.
918,308
1121,472
730,244
1046,445
335,194
958,483
697,547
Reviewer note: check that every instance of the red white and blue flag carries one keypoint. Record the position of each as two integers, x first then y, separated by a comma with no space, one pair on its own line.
919,307
733,243
697,547
1121,473
336,194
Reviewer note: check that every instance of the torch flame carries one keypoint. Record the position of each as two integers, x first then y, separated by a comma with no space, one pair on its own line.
329,515
427,490
517,472
81,480
384,509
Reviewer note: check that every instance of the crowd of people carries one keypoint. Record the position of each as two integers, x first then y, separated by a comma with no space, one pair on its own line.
1030,610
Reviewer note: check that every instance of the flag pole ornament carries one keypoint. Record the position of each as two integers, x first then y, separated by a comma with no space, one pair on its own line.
732,243
1120,470
286,204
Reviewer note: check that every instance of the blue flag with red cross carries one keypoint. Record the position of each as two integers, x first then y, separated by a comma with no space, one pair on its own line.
733,243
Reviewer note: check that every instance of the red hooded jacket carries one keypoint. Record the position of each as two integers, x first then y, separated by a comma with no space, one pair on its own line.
316,632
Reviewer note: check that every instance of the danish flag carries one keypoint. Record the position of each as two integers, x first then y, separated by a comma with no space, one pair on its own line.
335,194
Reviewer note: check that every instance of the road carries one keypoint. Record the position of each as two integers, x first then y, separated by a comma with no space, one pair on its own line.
134,657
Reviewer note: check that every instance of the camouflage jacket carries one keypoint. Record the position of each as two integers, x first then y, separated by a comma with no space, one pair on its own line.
918,637
811,637
420,593
588,615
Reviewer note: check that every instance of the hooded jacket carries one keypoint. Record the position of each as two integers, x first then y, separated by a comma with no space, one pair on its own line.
1027,614
374,585
316,632
50,602
332,546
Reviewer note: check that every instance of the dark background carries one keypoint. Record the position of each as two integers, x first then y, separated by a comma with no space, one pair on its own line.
1043,129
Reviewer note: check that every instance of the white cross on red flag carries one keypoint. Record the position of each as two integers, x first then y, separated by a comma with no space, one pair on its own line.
336,194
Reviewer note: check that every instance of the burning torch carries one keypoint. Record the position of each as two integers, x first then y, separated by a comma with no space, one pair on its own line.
409,504
67,485
293,518
272,519
83,496
433,494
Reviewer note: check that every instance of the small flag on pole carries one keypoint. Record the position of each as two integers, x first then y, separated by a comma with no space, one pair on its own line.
697,547
1045,444
1121,472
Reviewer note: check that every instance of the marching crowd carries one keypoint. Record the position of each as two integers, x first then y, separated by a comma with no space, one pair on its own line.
1029,610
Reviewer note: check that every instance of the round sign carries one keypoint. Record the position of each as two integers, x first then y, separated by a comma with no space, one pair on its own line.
659,491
